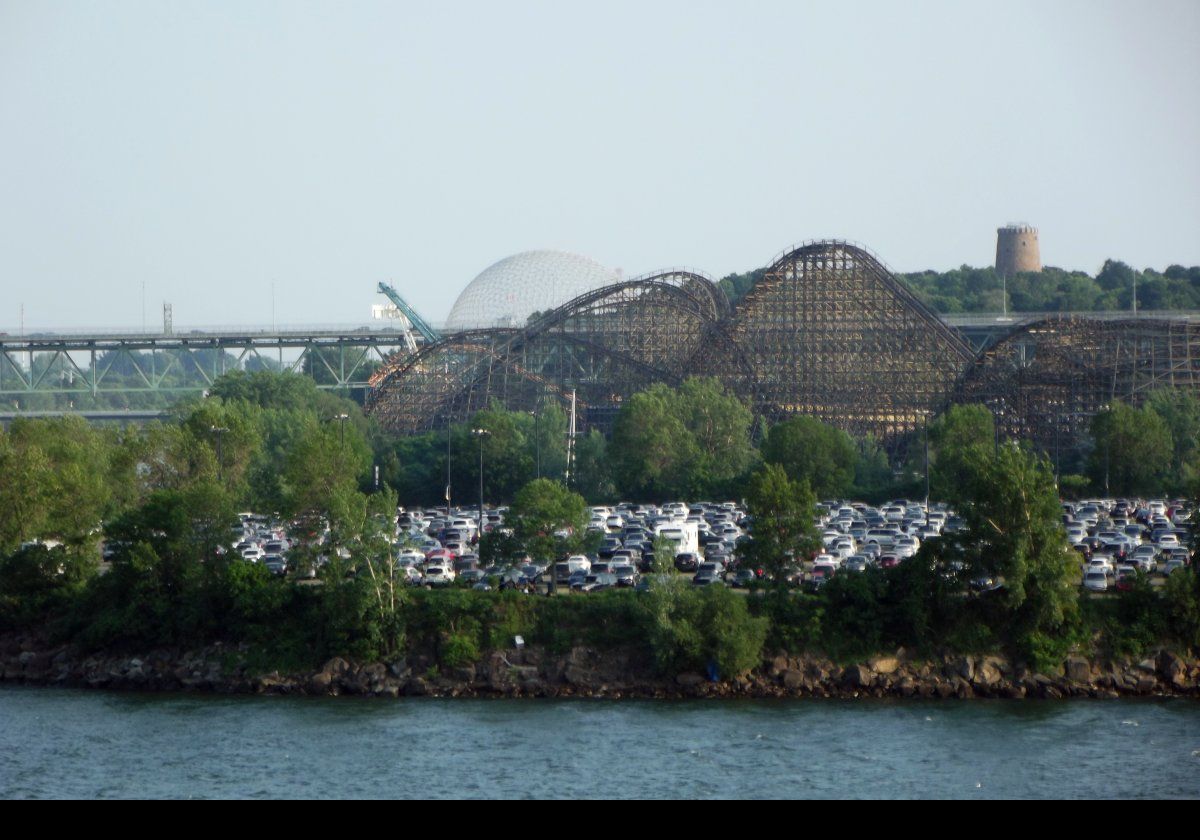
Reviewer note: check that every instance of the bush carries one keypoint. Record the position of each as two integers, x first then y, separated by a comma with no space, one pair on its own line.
1182,601
855,614
37,583
460,650
1138,623
1042,651
794,619
612,619
701,629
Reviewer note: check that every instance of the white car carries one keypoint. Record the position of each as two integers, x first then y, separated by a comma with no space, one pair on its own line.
1095,581
1173,564
438,576
1100,563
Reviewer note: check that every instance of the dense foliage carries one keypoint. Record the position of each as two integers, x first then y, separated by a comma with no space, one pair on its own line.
690,442
164,498
969,289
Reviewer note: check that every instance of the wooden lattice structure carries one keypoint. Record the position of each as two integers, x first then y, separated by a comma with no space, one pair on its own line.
829,332
604,346
1045,381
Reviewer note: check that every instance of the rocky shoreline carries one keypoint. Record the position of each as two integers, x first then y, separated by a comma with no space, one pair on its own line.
585,672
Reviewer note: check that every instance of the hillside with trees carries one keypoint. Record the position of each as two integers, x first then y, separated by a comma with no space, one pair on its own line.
968,289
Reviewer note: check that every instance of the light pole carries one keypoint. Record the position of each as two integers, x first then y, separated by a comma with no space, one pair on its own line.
481,434
1108,432
537,439
925,423
220,431
342,418
447,465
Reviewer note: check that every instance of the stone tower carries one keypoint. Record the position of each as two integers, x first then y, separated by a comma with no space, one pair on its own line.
1017,250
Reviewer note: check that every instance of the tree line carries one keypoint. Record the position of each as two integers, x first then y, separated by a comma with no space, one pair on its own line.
973,289
164,498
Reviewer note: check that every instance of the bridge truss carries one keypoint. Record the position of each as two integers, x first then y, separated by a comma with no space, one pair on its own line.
95,365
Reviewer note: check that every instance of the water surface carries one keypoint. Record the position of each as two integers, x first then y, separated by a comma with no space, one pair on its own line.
67,743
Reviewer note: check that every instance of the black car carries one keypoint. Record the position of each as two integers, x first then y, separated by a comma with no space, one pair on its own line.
743,578
687,562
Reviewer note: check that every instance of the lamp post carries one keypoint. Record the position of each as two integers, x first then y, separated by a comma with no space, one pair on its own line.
342,418
481,434
1108,432
925,423
447,465
220,431
537,439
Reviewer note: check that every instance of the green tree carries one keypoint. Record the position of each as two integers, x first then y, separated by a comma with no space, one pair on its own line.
1180,410
593,477
508,462
719,423
651,447
1133,450
689,442
38,582
959,440
873,478
541,508
1015,535
225,438
57,482
813,452
378,556
23,492
699,630
781,511
322,470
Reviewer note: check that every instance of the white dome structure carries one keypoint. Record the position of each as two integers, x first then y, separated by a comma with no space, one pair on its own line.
506,293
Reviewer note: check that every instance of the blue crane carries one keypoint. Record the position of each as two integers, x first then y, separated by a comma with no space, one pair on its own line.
427,332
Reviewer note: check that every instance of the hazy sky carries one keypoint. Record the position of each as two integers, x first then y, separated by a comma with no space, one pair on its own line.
208,150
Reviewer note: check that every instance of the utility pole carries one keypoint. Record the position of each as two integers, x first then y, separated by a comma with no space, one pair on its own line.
481,434
447,465
220,431
570,441
926,425
537,437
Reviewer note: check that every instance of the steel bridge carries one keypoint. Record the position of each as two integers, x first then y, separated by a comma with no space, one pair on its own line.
829,332
94,364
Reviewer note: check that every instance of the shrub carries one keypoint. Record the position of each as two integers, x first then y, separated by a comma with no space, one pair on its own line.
698,629
459,650
1182,601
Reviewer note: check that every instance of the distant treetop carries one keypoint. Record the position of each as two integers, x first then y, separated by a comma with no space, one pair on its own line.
968,289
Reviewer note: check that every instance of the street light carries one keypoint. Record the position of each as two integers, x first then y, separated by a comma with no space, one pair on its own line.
925,424
537,437
219,431
342,418
447,466
481,434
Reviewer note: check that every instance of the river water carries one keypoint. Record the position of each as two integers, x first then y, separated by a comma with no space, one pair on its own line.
66,743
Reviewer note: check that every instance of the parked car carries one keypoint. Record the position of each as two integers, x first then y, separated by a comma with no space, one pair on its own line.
438,576
1095,581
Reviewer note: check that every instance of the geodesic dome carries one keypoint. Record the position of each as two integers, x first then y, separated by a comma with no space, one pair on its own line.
506,293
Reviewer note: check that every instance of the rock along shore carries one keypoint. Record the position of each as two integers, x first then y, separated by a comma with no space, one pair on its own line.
585,672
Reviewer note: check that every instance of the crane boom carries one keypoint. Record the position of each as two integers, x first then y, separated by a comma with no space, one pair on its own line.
429,333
